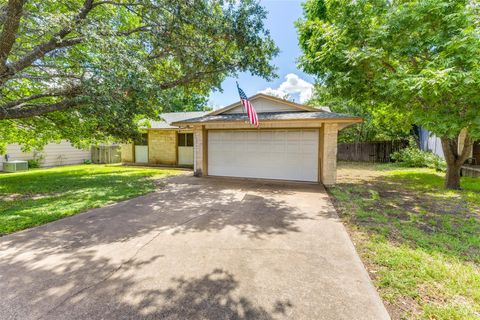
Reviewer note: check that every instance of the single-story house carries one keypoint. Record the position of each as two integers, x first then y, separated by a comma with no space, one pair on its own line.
293,142
163,143
53,154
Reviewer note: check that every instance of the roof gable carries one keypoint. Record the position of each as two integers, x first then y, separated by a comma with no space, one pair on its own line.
169,117
264,103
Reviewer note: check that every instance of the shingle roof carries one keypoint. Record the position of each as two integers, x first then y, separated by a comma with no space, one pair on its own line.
267,116
171,117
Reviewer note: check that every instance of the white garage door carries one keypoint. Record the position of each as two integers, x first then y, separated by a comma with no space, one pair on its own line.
267,154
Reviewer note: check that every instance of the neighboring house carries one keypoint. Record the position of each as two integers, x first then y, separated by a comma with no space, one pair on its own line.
293,142
54,154
162,143
430,142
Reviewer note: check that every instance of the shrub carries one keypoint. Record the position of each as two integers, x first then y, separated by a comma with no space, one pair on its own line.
412,156
87,161
33,163
439,164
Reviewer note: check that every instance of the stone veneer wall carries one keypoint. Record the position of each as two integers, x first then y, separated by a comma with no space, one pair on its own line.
200,145
328,153
162,147
127,153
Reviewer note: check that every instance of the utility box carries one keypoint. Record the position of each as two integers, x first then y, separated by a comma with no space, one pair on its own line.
15,166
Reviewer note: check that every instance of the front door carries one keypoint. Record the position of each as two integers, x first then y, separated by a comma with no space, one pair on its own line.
185,149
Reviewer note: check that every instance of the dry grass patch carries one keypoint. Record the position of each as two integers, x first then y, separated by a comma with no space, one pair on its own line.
420,242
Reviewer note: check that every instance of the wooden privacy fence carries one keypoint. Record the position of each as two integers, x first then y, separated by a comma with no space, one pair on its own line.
374,151
106,154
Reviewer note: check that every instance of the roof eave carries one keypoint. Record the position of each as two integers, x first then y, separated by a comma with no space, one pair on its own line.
352,120
173,128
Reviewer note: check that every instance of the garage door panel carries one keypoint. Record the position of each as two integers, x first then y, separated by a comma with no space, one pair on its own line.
269,154
293,147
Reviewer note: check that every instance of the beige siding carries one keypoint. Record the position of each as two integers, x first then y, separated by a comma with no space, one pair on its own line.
162,147
127,153
264,105
54,154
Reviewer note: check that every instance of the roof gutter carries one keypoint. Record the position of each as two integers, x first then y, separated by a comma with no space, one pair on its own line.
338,120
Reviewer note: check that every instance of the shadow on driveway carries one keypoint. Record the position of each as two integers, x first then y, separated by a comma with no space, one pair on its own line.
195,249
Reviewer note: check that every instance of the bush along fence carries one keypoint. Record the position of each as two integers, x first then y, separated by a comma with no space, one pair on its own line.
373,151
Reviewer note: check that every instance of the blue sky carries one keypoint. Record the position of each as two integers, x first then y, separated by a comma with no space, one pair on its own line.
280,21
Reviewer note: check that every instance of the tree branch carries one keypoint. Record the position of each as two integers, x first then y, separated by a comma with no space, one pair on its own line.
69,42
31,110
55,42
116,3
451,152
389,66
15,103
467,149
10,29
188,78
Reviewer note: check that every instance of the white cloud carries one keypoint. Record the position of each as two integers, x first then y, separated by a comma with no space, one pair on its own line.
274,92
292,85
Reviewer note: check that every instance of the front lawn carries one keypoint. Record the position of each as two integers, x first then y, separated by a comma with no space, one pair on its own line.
419,242
39,196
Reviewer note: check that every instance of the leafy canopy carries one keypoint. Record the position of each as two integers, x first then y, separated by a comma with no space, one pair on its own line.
88,70
418,58
379,122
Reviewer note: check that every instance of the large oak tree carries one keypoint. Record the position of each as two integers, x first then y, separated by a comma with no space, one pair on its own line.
88,70
419,58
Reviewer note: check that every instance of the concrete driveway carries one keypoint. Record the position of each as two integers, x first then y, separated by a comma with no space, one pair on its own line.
199,248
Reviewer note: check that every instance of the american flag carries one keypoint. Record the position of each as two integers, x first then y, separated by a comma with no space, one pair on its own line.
252,115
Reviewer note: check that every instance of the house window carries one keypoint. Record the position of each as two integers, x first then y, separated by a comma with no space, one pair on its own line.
185,139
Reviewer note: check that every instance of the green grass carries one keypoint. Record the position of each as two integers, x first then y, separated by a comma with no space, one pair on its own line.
420,242
39,196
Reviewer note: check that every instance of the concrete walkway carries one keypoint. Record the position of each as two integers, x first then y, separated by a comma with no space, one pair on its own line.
196,249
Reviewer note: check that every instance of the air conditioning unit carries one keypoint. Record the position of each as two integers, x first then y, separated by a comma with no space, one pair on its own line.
15,166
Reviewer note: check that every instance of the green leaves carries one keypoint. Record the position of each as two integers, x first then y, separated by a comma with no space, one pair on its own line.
117,61
416,57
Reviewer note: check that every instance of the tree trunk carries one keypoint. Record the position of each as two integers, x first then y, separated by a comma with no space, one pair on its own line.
452,177
455,159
